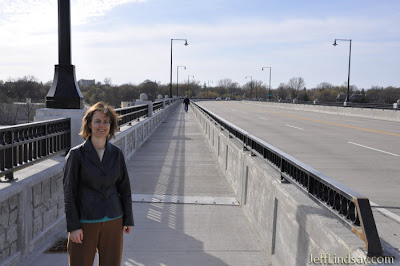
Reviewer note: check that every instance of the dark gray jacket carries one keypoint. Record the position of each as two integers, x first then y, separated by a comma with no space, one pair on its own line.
93,188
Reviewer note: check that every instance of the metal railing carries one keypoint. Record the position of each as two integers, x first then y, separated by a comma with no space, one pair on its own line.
348,206
382,106
129,114
157,106
22,145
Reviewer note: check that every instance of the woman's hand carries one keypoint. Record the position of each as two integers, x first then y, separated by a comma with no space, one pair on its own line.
76,236
126,229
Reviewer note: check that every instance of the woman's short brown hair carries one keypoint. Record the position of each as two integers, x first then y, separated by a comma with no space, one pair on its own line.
86,132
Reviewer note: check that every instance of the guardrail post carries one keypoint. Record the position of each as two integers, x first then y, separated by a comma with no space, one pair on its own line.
396,105
8,154
369,233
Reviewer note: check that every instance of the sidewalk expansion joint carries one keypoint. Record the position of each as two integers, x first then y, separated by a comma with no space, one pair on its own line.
201,200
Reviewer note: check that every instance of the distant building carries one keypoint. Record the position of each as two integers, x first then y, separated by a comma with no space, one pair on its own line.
355,98
86,82
341,98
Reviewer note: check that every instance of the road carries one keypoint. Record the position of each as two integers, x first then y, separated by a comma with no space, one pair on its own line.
362,154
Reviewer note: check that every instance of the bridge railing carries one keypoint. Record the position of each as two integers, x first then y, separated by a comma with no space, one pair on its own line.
383,106
22,145
132,113
348,206
157,106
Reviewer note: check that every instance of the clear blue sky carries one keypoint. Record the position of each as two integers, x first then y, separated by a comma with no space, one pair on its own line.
129,41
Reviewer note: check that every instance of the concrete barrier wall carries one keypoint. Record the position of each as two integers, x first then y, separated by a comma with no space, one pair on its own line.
291,226
32,206
382,114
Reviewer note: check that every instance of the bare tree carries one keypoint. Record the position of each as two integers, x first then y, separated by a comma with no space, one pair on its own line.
296,84
224,83
107,81
282,91
324,85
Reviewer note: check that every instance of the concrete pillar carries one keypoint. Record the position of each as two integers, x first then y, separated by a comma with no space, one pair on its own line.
76,116
143,100
126,104
396,105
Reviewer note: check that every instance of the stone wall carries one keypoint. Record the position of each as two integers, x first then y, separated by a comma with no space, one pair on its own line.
47,203
8,226
32,206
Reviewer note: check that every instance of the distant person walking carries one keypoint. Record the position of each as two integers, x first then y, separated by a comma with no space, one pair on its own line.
97,192
186,103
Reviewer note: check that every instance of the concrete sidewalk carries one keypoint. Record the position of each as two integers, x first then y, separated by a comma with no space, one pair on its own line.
184,209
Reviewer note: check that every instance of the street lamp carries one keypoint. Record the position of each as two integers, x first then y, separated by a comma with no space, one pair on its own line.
348,76
170,80
177,74
251,86
188,83
64,93
269,93
208,82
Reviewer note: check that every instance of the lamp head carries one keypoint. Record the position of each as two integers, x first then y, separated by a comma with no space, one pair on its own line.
334,44
186,44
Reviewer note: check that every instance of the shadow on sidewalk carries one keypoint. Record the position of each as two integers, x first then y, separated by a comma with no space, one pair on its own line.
163,232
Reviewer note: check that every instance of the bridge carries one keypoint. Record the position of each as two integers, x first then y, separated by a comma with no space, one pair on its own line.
202,196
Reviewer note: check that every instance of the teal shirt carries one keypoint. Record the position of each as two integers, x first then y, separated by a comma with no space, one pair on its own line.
105,219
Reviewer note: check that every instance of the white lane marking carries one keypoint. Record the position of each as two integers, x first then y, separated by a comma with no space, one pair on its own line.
385,212
294,127
373,148
263,118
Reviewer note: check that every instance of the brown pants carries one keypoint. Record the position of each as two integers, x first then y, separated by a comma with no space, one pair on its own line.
105,237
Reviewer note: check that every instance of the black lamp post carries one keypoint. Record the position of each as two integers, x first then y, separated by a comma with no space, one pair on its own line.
170,80
269,92
64,93
348,76
188,84
177,78
208,82
251,86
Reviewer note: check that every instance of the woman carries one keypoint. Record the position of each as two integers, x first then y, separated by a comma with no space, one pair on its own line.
97,192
